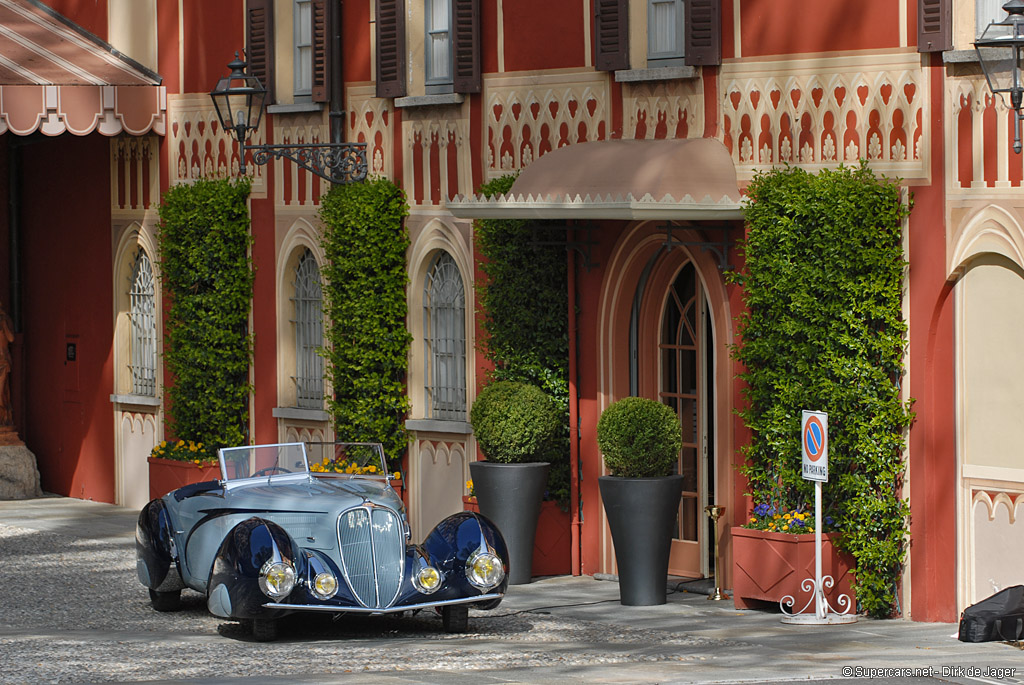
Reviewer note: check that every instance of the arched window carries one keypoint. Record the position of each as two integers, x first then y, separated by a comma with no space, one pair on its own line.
444,338
142,315
309,334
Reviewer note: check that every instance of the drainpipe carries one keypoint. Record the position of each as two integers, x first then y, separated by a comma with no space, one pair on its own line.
574,418
14,231
336,114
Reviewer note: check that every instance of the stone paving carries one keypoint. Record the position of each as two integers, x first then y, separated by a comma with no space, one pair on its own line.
73,612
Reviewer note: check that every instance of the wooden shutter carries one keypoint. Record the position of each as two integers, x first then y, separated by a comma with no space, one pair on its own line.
321,50
611,28
390,48
466,45
934,20
703,32
259,40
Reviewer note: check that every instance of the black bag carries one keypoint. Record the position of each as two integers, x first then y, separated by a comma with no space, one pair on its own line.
1000,617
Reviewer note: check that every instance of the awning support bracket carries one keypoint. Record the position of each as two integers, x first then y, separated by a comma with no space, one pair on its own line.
719,248
583,246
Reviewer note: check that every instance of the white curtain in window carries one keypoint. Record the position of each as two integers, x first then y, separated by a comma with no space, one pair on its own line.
303,47
986,12
439,41
444,323
665,28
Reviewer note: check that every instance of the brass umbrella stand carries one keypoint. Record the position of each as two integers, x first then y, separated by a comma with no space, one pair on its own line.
715,511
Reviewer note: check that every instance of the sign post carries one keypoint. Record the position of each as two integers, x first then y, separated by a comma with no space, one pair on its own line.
814,467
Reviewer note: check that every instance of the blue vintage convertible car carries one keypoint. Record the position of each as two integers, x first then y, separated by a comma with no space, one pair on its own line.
273,537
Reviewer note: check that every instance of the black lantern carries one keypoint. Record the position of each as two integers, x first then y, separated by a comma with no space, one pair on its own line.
239,99
1001,53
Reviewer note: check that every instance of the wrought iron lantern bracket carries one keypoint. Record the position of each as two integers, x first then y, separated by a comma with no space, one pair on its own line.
335,162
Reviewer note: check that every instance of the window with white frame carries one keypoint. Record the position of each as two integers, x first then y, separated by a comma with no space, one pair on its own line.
665,37
303,31
142,317
444,338
438,44
309,334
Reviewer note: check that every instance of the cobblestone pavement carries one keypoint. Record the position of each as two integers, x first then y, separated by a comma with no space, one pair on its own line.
73,612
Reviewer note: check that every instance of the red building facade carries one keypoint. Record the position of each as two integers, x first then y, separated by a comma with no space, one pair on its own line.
448,94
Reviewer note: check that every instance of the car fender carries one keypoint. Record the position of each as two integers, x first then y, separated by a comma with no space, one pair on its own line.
233,589
156,558
455,539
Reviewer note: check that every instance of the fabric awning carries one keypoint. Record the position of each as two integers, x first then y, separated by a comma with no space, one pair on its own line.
56,77
692,179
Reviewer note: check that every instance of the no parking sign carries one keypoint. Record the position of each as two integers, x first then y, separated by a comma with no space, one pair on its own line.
814,445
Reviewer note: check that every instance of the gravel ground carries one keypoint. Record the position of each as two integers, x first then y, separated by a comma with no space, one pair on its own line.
73,611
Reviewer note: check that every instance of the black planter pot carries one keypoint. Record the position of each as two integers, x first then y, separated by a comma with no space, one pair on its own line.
510,496
641,514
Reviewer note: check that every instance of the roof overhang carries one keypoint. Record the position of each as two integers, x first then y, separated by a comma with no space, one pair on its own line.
686,180
56,77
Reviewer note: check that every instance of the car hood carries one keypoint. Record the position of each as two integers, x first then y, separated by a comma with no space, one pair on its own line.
322,495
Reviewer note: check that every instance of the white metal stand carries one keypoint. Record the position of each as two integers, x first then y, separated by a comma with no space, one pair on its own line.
823,613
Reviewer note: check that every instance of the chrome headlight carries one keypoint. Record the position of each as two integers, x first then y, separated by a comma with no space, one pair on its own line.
325,585
484,571
427,579
277,578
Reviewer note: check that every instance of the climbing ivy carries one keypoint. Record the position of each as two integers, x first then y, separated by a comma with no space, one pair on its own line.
365,241
207,274
524,299
823,331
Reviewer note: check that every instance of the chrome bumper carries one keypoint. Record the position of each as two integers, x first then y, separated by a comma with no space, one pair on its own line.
389,610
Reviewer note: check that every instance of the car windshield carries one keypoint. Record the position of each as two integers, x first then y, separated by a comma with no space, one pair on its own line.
347,459
260,461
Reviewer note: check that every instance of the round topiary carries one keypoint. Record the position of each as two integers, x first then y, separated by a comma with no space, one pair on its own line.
639,438
516,423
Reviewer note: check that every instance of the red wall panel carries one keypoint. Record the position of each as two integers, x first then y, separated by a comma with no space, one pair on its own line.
778,27
213,30
355,41
540,36
91,15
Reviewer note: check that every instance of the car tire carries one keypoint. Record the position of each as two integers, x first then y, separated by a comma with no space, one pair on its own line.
455,619
264,629
165,601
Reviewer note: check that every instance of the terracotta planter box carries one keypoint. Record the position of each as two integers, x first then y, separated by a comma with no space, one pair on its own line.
768,566
168,474
552,553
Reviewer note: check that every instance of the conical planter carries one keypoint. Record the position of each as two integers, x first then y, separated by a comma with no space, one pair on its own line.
641,514
510,495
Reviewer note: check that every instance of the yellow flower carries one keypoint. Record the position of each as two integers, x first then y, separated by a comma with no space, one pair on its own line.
181,443
163,443
469,485
397,475
371,468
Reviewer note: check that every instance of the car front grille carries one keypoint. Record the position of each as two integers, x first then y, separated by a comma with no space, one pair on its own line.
372,543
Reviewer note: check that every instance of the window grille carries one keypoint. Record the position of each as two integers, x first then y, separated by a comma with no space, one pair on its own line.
142,316
444,337
439,42
309,334
665,30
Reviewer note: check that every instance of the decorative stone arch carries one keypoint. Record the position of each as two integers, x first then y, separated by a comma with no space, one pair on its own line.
439,450
986,264
292,421
137,417
640,254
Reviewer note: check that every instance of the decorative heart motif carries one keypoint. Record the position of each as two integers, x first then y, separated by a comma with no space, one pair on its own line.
498,109
535,110
910,90
369,118
201,127
553,108
591,106
775,96
573,106
755,97
174,129
734,97
816,95
862,94
188,129
517,109
353,118
840,94
795,96
886,92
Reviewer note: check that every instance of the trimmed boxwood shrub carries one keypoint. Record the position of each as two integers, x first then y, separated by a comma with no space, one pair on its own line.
207,274
823,331
365,240
516,423
639,438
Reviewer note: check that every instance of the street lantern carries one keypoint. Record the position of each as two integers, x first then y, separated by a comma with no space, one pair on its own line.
239,99
1001,53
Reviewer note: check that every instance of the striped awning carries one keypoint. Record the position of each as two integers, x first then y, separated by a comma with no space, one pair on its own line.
56,77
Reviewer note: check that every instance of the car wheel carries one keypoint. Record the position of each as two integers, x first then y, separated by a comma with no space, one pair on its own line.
455,618
264,629
165,601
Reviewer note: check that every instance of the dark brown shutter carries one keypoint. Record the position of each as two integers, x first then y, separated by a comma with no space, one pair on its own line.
934,19
466,45
321,50
259,40
611,29
703,32
390,48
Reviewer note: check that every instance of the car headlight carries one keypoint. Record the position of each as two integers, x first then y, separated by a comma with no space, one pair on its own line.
325,585
427,579
277,578
484,570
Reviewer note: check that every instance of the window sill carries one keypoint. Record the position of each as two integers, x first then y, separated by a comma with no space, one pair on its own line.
296,108
430,100
297,414
142,401
439,426
960,56
655,74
